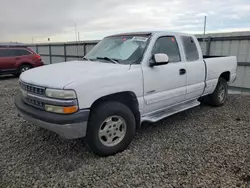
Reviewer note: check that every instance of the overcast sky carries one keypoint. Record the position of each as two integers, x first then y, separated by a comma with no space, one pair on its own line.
20,20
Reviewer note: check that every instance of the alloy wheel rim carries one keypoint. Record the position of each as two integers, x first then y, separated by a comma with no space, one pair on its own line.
222,93
25,69
112,131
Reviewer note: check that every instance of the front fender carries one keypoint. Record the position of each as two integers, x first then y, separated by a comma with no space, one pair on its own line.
89,90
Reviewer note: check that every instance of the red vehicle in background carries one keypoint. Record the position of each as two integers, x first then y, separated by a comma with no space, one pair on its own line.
15,59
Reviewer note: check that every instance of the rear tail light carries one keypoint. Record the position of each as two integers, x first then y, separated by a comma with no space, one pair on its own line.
37,56
38,59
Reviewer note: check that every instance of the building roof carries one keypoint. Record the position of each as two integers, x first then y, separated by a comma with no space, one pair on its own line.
12,44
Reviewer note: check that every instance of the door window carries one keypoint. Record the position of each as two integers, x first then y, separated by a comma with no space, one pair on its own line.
169,46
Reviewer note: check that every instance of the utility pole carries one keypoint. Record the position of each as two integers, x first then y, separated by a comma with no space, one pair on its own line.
205,25
204,32
76,32
77,47
78,36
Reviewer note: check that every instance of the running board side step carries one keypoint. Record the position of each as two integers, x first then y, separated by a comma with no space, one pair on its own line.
170,111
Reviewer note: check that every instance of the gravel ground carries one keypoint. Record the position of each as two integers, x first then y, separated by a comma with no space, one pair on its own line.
202,147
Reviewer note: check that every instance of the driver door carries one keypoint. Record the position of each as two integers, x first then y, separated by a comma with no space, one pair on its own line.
165,85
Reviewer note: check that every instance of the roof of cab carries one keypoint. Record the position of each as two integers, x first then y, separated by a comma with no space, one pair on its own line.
149,33
131,33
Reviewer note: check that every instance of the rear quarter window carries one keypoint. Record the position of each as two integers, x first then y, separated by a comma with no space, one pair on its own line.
21,52
190,48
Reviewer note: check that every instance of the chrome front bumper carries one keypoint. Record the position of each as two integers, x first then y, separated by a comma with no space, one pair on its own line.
67,126
67,131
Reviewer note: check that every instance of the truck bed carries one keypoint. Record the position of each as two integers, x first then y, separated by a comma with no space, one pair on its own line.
215,65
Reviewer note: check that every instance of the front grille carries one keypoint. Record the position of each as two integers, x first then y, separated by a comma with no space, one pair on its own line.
33,103
32,89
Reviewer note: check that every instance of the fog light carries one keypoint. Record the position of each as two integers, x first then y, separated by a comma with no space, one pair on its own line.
61,109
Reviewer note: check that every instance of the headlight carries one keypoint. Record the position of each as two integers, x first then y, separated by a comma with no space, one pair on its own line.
60,94
61,109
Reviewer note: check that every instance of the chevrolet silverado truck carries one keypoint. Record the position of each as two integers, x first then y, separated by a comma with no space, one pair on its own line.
126,79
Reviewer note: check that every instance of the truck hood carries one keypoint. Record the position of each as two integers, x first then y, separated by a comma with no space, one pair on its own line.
61,74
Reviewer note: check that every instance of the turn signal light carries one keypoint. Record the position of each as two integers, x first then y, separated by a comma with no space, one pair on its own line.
70,110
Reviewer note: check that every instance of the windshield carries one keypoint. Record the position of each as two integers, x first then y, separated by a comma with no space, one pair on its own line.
120,49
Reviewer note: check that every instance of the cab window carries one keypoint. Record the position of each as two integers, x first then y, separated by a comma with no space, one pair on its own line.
190,48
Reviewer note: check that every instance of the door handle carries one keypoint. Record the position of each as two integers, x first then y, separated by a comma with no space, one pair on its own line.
18,58
182,71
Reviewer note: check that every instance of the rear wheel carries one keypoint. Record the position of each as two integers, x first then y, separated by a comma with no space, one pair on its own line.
24,68
111,128
219,96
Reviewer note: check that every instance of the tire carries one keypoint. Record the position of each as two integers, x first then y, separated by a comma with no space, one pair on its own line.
24,68
103,120
219,96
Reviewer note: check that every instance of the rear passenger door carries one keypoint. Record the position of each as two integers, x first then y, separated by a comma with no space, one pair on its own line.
7,59
195,67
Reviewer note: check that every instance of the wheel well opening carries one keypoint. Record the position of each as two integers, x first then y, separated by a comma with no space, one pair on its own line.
225,75
127,98
26,63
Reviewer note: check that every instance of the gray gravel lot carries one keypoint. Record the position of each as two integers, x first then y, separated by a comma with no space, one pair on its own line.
202,147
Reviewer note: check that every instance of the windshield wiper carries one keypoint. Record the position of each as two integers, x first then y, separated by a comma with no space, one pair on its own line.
115,61
84,58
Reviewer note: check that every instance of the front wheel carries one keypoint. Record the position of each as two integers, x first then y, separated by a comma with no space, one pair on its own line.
111,128
219,96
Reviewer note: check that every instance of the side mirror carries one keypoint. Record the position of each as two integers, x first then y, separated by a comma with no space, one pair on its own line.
159,59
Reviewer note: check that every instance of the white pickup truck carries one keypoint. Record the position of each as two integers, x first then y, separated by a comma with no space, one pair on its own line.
126,79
